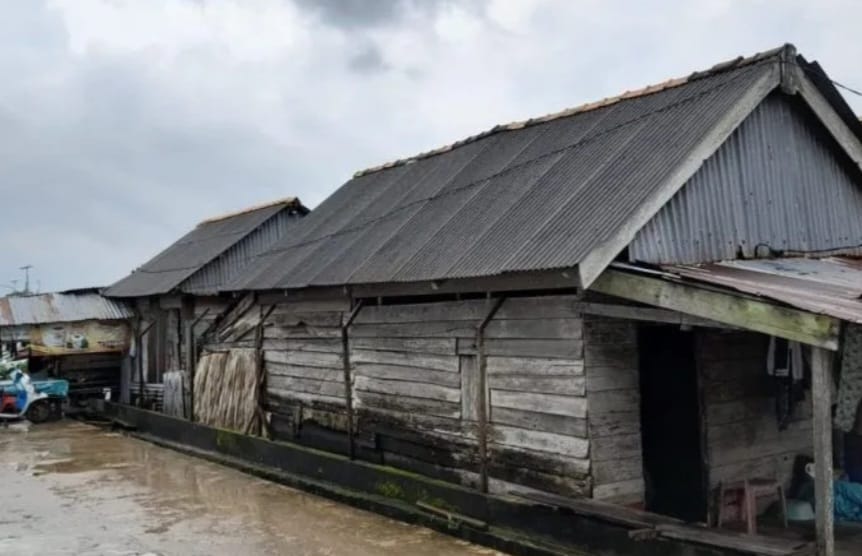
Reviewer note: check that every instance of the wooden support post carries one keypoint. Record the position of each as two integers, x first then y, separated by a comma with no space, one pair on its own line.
348,381
821,371
483,393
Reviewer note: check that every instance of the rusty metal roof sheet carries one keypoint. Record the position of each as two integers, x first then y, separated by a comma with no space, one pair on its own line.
828,286
60,307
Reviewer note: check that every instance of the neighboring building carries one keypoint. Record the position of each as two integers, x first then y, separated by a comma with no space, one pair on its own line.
179,289
77,335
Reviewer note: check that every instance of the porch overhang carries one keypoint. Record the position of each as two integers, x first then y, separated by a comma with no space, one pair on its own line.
719,303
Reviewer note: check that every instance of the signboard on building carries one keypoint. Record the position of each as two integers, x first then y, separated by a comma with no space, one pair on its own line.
79,337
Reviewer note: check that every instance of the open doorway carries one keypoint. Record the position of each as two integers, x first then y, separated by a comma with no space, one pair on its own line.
671,423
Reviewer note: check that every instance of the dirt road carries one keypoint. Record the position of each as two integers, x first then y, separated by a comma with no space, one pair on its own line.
69,488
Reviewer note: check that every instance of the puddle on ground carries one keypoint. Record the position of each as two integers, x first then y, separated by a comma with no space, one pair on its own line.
70,488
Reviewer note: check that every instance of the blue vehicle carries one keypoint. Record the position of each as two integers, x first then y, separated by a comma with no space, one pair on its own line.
20,398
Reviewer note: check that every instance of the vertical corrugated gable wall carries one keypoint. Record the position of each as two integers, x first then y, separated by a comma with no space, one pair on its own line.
778,181
218,273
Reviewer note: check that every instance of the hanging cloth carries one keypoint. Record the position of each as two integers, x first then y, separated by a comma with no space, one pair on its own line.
850,385
784,362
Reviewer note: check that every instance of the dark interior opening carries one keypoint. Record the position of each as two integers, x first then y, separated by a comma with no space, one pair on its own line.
674,468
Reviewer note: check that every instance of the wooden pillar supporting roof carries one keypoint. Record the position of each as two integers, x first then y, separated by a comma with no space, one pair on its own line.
821,388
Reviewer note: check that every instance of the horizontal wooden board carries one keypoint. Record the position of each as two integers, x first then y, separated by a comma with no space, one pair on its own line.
752,409
550,349
306,358
309,386
600,379
613,448
304,396
614,471
465,310
284,304
323,345
408,405
502,365
549,307
539,328
401,388
288,332
563,385
430,329
435,346
614,424
540,441
571,406
613,401
291,319
410,374
510,456
610,332
623,492
298,371
534,420
624,356
448,363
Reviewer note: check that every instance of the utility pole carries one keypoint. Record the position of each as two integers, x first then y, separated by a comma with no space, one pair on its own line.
26,268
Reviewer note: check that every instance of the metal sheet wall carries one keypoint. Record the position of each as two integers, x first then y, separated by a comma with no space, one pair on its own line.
779,181
226,266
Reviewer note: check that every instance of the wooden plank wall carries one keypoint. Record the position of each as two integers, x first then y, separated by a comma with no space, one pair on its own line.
613,391
538,405
409,379
302,356
743,439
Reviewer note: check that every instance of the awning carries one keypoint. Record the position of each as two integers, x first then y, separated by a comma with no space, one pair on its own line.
829,286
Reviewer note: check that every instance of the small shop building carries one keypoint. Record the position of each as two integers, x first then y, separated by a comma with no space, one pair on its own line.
77,335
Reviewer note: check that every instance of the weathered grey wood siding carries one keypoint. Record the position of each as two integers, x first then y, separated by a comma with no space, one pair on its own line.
742,436
613,392
302,354
537,397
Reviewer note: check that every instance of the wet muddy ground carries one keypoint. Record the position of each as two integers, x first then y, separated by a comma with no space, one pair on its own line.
69,488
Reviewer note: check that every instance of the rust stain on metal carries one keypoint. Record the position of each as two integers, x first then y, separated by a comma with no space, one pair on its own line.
829,286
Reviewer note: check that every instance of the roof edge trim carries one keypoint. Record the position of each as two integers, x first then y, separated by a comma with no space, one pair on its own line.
728,65
597,260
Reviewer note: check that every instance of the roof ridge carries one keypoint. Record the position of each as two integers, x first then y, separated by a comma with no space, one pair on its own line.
734,63
287,201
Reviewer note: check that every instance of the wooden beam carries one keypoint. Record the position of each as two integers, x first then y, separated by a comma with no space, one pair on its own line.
651,314
821,378
842,134
601,256
728,308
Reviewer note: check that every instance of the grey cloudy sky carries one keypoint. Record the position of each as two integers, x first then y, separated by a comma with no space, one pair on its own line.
123,123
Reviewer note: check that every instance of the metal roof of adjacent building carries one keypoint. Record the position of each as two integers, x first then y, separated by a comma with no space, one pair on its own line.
60,307
829,286
535,195
210,240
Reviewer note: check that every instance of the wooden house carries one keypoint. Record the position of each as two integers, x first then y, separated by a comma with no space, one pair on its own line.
178,293
580,305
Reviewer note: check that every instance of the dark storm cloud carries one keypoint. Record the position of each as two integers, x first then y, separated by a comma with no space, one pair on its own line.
369,59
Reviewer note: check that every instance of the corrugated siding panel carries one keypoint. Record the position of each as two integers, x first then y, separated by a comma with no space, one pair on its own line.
229,264
60,307
776,182
535,198
191,253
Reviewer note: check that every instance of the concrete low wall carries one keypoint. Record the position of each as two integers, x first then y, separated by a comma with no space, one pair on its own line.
514,525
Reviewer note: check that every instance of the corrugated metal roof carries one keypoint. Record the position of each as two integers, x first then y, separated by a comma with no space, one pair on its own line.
532,196
829,286
60,307
211,239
